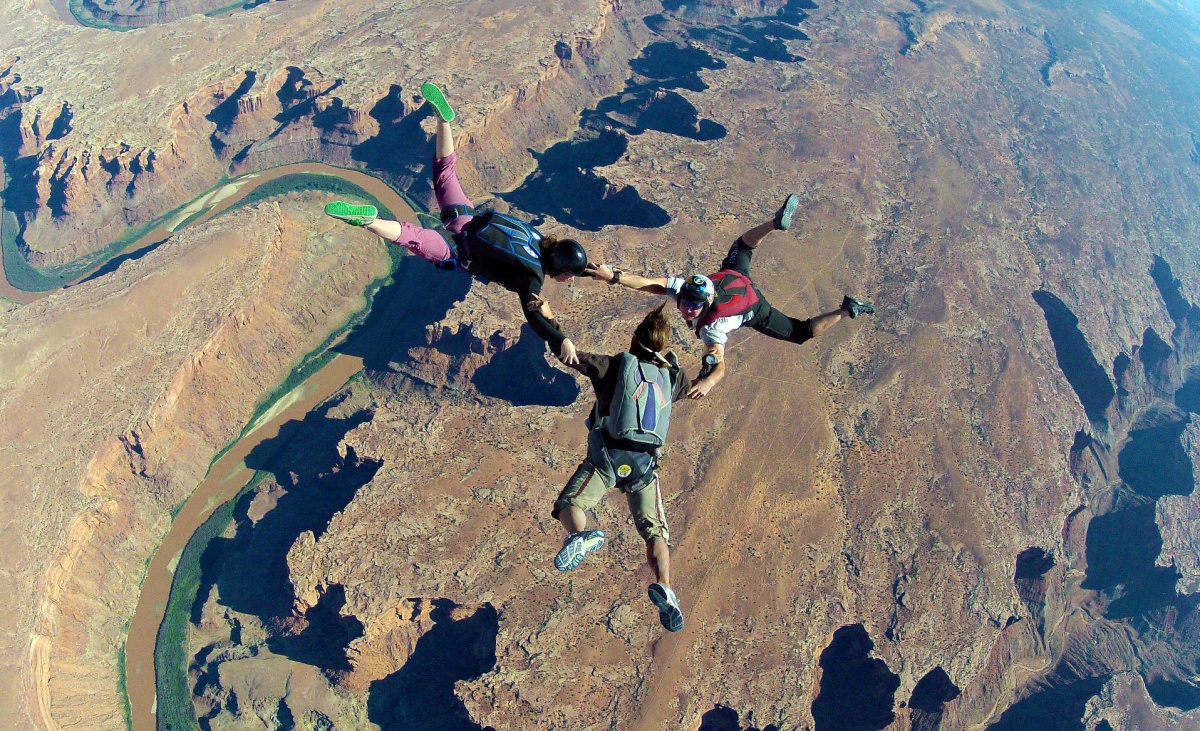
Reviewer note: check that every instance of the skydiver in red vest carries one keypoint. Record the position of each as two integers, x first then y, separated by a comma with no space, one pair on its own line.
718,304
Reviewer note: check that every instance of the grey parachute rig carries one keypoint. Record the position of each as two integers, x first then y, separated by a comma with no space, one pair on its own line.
641,407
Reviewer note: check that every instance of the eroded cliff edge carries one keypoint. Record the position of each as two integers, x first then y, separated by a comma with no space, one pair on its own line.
898,504
237,101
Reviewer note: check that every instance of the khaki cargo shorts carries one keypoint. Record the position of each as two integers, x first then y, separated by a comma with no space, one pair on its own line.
595,477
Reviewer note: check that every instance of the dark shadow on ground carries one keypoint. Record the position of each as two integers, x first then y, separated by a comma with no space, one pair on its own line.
420,695
857,691
1122,547
115,263
929,698
1174,693
325,636
1059,707
566,187
226,112
1154,462
522,376
401,152
250,569
565,184
298,99
1033,563
419,295
672,66
1188,395
1075,357
724,718
750,39
1171,290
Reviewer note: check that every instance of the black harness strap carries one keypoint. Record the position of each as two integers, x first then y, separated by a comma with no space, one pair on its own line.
454,210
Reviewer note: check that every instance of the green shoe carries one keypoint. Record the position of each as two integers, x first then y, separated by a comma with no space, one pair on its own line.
434,96
352,214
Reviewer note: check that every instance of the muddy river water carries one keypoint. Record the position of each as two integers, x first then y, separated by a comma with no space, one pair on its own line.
229,474
221,199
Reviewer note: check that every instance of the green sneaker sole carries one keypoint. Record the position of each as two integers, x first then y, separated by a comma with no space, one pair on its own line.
352,214
434,96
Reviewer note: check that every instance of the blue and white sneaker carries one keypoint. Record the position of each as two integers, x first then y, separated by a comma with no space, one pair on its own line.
576,547
783,217
669,612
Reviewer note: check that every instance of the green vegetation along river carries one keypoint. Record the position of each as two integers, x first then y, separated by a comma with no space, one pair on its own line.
319,376
24,283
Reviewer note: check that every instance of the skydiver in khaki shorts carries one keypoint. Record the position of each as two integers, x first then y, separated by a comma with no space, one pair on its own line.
634,393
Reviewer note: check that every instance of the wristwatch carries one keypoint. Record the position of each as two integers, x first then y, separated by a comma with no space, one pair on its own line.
616,277
711,360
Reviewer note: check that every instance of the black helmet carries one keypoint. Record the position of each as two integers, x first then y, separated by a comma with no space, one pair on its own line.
567,255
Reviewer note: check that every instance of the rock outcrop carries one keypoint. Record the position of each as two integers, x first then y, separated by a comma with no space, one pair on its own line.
78,181
145,374
976,504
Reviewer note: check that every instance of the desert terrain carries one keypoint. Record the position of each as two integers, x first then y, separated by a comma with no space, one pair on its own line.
975,510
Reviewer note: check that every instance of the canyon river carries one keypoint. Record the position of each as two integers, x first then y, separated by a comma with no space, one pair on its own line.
229,474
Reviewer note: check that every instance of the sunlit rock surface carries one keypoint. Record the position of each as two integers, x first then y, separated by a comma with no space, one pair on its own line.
973,510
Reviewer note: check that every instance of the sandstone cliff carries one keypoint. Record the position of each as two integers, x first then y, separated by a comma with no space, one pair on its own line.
117,395
236,98
979,504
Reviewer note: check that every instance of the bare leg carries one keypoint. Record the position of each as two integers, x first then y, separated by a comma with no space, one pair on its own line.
384,229
781,221
573,519
445,139
751,238
658,554
822,323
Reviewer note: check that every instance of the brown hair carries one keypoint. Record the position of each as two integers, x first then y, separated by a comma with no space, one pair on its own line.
654,332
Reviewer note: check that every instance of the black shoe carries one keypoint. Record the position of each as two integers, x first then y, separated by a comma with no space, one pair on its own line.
854,307
783,217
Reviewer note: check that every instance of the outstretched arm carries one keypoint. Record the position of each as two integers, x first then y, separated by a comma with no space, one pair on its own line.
537,304
605,273
702,385
538,314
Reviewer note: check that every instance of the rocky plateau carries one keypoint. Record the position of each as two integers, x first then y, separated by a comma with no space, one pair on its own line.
976,510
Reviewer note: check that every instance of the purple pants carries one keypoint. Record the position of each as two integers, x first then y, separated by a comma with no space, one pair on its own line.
428,243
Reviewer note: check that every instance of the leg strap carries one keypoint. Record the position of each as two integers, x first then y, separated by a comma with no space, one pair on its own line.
454,210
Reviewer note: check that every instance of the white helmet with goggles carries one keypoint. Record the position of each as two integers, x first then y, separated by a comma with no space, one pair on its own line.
697,289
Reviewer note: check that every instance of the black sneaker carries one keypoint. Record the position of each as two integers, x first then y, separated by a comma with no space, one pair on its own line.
783,217
854,307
